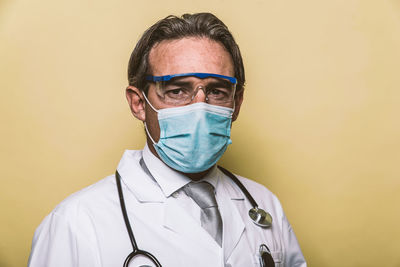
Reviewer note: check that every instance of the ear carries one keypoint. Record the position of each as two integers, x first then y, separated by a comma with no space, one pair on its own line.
136,102
238,104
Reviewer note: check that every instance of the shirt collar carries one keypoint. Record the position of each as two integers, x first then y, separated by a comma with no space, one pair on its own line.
170,180
212,177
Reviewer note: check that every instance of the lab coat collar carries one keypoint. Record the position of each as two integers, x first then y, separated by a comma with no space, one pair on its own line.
168,179
147,188
143,186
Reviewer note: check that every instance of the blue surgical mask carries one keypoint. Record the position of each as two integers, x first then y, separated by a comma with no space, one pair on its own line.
192,137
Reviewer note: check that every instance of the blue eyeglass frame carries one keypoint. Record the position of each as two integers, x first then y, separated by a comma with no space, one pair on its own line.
200,75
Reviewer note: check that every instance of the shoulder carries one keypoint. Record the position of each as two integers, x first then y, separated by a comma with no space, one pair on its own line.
262,195
257,190
87,198
260,192
98,195
68,226
255,187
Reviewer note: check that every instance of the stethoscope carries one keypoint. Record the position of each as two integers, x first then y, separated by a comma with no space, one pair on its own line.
259,216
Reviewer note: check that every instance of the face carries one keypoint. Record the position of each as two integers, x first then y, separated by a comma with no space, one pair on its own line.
180,56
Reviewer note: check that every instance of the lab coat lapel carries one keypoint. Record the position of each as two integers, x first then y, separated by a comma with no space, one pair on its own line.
233,231
234,226
143,186
178,220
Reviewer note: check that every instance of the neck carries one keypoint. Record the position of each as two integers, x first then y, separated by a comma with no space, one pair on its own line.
196,176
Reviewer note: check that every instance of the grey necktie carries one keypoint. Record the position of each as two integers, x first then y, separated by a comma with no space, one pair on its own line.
203,194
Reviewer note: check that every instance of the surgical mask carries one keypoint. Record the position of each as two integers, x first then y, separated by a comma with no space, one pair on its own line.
192,137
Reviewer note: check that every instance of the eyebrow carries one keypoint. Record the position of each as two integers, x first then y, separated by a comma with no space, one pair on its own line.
178,82
223,83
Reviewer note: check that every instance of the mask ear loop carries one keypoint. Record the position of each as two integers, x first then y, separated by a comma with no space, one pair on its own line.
234,100
148,133
145,125
148,102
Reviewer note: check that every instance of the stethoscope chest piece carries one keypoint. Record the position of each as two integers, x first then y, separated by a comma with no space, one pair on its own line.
260,217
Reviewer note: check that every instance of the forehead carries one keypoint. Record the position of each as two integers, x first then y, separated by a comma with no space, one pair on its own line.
190,55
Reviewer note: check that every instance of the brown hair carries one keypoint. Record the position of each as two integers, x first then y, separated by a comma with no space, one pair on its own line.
189,25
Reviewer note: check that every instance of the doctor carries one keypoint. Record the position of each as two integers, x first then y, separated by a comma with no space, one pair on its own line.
186,82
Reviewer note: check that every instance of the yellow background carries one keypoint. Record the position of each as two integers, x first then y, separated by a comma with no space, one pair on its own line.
319,125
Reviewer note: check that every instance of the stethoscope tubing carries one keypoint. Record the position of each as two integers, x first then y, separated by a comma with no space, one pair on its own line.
241,186
136,251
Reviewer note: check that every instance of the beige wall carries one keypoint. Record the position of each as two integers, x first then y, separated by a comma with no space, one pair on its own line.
319,126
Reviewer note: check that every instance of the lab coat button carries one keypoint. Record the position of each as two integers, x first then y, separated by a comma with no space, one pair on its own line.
175,194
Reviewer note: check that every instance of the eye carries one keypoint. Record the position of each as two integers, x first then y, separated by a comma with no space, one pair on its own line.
176,92
216,92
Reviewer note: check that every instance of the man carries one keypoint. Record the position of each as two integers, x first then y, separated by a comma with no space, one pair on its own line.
186,81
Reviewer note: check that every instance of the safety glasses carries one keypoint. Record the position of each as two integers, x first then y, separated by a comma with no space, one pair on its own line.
180,89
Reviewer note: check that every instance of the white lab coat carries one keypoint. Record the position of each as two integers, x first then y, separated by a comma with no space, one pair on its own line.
87,229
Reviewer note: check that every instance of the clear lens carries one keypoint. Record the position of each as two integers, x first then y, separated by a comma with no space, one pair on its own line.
182,90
